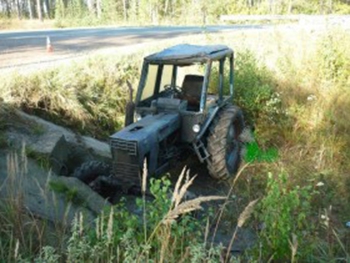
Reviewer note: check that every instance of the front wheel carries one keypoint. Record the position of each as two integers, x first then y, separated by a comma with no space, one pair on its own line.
223,144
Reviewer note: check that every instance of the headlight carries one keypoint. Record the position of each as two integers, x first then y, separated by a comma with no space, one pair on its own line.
196,128
138,117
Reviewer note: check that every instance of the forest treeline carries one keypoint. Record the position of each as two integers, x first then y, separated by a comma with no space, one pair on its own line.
157,11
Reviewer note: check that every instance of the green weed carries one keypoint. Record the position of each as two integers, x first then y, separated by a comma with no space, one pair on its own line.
38,129
70,194
255,153
42,159
284,213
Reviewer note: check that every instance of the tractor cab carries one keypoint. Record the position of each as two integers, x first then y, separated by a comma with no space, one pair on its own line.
187,73
187,79
180,102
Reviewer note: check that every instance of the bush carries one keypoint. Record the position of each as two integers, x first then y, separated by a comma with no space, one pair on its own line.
284,211
334,57
254,88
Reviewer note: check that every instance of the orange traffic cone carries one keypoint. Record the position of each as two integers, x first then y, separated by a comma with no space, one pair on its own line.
49,47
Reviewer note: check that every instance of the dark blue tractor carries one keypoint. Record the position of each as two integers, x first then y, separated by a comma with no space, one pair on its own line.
183,106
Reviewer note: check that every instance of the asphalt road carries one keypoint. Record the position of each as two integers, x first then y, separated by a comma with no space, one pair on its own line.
26,48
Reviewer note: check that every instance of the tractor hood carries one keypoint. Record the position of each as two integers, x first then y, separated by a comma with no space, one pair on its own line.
142,138
161,124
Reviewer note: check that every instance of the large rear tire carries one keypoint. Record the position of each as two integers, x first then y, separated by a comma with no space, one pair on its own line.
89,171
223,144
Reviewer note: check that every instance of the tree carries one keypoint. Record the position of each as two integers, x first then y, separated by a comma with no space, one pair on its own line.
30,10
47,8
18,9
38,6
125,12
91,5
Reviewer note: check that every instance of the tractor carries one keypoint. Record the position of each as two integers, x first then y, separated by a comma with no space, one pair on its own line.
182,107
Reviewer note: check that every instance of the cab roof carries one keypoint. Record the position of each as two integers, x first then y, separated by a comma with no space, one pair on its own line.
188,54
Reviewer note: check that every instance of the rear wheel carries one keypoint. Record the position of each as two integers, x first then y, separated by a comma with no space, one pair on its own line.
223,144
89,171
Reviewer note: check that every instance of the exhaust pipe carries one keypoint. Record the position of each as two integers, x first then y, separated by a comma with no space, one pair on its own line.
130,107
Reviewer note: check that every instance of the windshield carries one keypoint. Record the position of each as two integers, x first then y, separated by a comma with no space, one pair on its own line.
173,81
151,81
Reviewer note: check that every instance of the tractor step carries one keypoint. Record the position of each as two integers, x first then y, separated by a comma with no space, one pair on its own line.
201,151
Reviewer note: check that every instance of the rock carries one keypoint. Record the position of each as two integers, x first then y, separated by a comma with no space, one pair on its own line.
98,147
26,182
91,200
245,239
65,150
66,157
59,157
27,185
42,136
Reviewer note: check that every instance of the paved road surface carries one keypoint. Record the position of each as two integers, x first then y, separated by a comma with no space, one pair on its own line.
26,48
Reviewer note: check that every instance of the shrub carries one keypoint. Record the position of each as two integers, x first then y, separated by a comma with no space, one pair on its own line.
283,211
334,57
254,88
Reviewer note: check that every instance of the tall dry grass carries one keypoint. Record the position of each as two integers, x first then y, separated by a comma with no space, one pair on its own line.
88,97
21,233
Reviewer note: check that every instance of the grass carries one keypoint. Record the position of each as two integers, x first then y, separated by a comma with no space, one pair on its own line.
91,103
294,89
25,24
20,231
42,159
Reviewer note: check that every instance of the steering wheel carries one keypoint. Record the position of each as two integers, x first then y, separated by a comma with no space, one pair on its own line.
173,90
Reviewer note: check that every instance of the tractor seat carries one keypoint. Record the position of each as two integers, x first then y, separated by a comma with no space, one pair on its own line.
191,91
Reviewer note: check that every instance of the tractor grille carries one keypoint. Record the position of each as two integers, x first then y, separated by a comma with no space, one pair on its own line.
126,170
128,146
